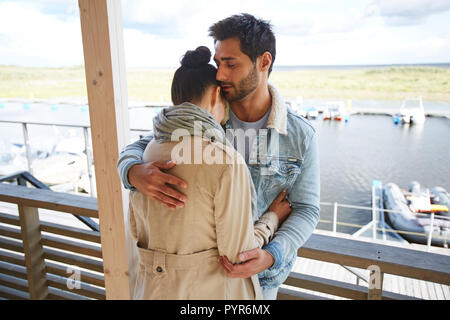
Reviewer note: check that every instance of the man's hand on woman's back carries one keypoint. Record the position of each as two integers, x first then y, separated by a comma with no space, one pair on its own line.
150,179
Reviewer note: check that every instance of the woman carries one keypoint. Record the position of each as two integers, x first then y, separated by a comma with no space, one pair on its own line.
179,250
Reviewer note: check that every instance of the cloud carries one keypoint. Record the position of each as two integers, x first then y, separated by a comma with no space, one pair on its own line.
31,38
48,32
406,12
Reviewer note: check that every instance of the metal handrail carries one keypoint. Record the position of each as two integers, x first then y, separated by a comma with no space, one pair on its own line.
87,150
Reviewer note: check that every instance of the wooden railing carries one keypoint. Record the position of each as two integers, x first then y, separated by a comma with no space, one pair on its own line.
37,263
63,263
379,258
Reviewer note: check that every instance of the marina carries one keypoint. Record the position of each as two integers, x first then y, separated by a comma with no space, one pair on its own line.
354,216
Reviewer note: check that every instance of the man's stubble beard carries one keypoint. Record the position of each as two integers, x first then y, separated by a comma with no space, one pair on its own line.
245,86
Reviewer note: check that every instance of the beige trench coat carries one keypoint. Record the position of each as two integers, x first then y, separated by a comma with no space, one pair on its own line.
178,251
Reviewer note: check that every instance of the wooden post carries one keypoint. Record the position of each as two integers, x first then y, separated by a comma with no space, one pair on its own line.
34,254
101,27
375,283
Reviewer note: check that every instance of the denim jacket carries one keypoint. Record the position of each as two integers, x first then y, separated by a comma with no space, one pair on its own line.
285,156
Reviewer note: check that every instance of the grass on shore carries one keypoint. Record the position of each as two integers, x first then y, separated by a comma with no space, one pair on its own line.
153,85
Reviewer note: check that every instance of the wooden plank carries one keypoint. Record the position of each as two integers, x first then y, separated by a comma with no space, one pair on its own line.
34,254
13,294
55,281
47,199
101,27
11,245
14,283
12,257
58,294
288,294
327,286
84,289
9,219
409,263
72,246
85,276
10,232
73,259
375,285
86,235
336,288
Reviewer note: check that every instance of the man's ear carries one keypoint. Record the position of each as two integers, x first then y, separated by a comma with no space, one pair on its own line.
215,96
266,61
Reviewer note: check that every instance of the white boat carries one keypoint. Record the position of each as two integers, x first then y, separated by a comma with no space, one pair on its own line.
335,110
312,113
411,111
296,108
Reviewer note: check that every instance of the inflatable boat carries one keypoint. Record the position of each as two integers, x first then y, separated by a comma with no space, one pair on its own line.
418,212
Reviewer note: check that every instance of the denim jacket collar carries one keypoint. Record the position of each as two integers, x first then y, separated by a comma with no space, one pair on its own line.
278,114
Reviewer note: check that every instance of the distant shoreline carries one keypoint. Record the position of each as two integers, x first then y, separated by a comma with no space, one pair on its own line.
359,66
363,82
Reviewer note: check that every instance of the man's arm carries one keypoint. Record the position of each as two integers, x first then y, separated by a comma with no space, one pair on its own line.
304,197
129,156
149,178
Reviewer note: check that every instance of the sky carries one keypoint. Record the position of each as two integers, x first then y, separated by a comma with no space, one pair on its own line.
47,33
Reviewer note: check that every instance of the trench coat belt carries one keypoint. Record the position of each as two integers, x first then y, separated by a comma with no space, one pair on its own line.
160,260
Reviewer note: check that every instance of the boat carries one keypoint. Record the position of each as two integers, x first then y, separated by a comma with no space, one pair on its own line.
335,110
418,213
296,108
411,112
312,113
61,165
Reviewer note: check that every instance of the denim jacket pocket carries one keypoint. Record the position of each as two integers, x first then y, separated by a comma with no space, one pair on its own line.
278,173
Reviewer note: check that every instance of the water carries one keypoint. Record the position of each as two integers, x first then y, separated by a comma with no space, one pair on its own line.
371,147
352,154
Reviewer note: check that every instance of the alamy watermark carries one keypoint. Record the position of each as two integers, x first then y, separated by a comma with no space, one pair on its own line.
74,280
186,153
375,277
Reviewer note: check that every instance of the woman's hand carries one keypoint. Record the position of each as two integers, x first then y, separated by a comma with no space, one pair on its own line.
281,207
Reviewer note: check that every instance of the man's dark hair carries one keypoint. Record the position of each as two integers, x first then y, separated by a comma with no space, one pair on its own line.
195,75
255,35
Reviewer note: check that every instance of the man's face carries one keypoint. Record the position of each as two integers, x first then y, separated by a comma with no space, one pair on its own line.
237,74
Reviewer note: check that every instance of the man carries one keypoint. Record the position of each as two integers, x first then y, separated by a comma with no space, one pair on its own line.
280,149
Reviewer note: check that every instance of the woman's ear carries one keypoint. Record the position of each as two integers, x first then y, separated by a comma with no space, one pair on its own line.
215,96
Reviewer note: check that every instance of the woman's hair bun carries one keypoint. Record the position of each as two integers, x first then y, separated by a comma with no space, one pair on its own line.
196,58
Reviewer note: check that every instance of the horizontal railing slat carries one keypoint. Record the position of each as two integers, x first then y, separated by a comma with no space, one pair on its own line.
11,245
73,232
13,294
288,294
12,257
9,219
85,276
84,290
59,256
336,288
58,243
13,282
86,235
58,294
393,260
54,281
74,260
71,246
48,199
